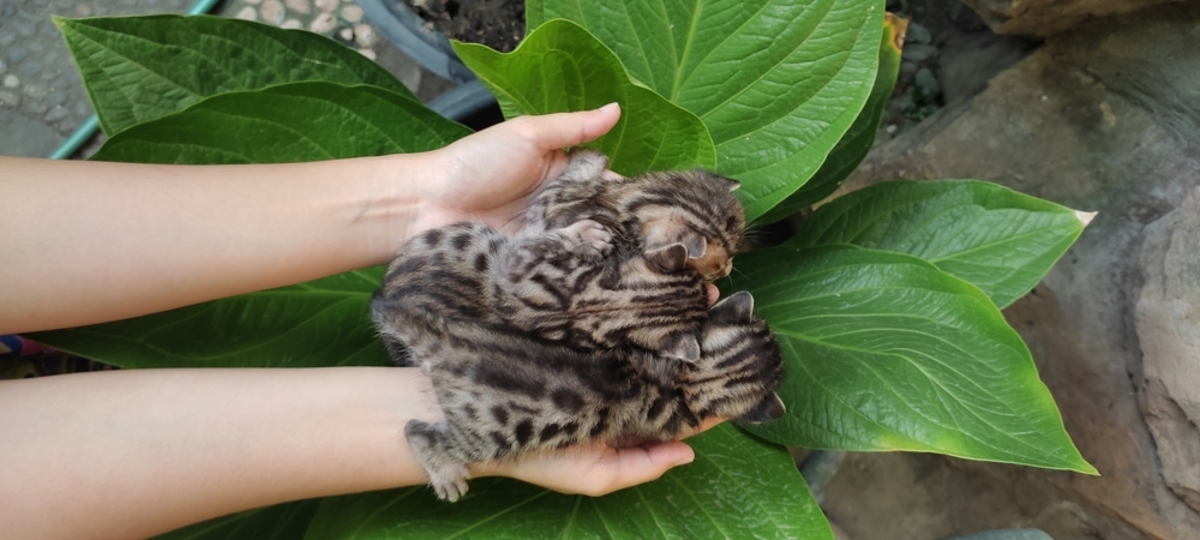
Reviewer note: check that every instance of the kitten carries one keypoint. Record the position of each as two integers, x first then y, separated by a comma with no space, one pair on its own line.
655,214
506,394
670,231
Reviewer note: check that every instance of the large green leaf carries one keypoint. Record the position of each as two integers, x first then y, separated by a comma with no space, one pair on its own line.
141,68
738,487
777,82
320,323
857,142
886,352
560,67
1000,240
280,522
307,121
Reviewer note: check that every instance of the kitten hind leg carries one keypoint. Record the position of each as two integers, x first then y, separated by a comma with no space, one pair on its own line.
430,444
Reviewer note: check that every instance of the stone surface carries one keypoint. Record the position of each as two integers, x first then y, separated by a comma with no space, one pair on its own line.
272,12
1168,329
1104,118
324,22
1048,17
302,7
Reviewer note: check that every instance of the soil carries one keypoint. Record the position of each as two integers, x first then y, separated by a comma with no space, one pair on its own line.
499,24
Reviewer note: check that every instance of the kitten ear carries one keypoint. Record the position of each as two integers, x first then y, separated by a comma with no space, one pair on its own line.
694,242
735,308
667,259
770,408
731,184
685,348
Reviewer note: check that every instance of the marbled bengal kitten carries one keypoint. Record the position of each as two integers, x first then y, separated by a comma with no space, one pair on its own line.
670,231
505,394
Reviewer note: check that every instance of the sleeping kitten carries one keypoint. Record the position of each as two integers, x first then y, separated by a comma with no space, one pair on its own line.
506,394
653,214
670,231
557,286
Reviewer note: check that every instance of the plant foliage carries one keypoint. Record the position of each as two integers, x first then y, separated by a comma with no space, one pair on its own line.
885,304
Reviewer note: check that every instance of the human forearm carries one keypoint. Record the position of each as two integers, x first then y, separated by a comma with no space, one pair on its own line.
133,453
134,239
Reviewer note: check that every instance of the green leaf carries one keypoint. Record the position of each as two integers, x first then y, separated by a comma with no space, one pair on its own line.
307,121
561,67
321,323
280,522
723,494
777,82
141,68
857,142
1000,240
884,351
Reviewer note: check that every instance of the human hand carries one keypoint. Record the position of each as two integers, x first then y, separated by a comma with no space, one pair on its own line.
490,176
594,470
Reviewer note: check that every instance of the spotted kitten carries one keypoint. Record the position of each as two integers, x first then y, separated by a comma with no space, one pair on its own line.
670,232
506,394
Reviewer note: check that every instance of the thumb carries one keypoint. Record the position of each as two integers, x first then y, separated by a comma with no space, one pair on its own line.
563,130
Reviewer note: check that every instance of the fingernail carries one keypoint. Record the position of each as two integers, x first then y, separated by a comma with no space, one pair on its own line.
610,106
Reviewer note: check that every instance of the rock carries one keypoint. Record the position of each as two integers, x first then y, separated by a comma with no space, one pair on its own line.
324,22
925,84
11,81
292,24
9,99
347,34
1105,118
367,53
365,36
58,112
1049,17
302,7
17,53
327,5
917,52
247,14
272,12
917,34
352,14
1168,330
1006,534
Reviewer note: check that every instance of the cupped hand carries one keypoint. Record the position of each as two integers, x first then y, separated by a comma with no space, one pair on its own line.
594,470
491,175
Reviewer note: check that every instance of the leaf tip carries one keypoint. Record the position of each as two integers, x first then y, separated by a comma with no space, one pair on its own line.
897,26
1085,217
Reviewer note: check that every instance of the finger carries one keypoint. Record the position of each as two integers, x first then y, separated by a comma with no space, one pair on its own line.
563,130
713,293
640,465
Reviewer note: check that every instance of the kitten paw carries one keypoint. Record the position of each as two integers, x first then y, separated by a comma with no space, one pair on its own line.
596,240
450,481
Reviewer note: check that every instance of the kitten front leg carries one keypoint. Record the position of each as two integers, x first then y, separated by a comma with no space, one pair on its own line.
430,444
589,238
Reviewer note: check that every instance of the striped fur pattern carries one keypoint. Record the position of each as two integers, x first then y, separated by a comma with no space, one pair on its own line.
506,394
670,233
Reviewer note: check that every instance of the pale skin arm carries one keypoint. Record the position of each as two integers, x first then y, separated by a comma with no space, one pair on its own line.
91,242
130,454
133,453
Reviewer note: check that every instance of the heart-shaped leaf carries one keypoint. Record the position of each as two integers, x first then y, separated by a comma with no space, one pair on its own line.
141,68
720,495
885,351
1000,240
777,82
561,67
320,323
